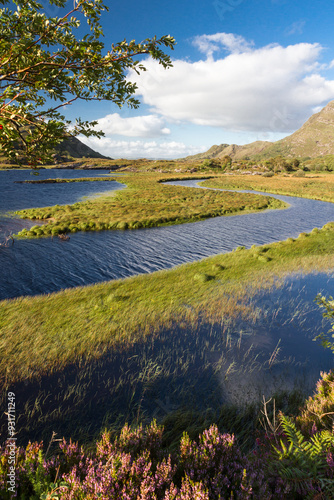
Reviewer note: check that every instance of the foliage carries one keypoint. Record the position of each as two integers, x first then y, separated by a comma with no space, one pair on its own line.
306,464
45,66
328,305
318,412
322,163
134,466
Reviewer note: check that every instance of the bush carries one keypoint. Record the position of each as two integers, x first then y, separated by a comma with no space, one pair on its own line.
218,267
299,173
134,466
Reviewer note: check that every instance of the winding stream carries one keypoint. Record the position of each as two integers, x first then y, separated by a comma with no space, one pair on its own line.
32,267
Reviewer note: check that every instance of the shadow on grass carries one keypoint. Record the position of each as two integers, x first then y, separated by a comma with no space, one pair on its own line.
186,379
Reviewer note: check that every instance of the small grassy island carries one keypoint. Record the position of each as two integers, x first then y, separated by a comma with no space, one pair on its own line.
145,203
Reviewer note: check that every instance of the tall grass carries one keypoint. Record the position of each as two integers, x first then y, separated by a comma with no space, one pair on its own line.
56,329
315,186
186,372
130,349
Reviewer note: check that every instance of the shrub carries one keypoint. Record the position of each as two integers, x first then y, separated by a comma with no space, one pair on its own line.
299,173
318,411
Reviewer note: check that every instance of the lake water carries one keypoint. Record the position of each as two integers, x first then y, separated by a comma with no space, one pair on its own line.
37,266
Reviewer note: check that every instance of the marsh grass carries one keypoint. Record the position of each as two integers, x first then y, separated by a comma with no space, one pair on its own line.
316,187
187,378
54,330
146,202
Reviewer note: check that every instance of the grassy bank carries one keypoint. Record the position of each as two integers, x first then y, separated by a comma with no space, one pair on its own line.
146,202
54,330
314,186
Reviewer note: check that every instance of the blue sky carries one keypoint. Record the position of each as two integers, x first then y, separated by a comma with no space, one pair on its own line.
243,70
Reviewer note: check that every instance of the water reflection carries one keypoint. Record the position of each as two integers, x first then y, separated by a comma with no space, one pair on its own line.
195,367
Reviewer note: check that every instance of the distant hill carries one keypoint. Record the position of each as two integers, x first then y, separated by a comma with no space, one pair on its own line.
73,147
69,149
315,138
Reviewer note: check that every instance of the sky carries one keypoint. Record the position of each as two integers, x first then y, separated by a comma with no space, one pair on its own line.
243,70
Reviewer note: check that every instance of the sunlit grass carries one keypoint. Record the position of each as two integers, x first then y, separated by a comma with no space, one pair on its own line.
318,186
146,202
45,333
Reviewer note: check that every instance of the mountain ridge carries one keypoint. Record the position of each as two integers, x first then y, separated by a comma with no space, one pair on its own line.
313,139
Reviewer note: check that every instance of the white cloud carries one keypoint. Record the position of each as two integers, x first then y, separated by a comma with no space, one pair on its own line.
269,89
141,149
137,126
208,44
295,28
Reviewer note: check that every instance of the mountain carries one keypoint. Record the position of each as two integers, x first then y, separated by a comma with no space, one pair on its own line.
70,149
73,147
315,138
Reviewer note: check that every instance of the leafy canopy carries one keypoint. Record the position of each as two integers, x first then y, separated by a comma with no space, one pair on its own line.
44,66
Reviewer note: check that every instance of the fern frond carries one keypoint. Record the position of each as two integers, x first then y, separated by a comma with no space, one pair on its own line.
293,434
304,462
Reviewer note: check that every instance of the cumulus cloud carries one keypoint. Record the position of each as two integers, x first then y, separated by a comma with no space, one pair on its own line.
141,149
246,90
137,126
